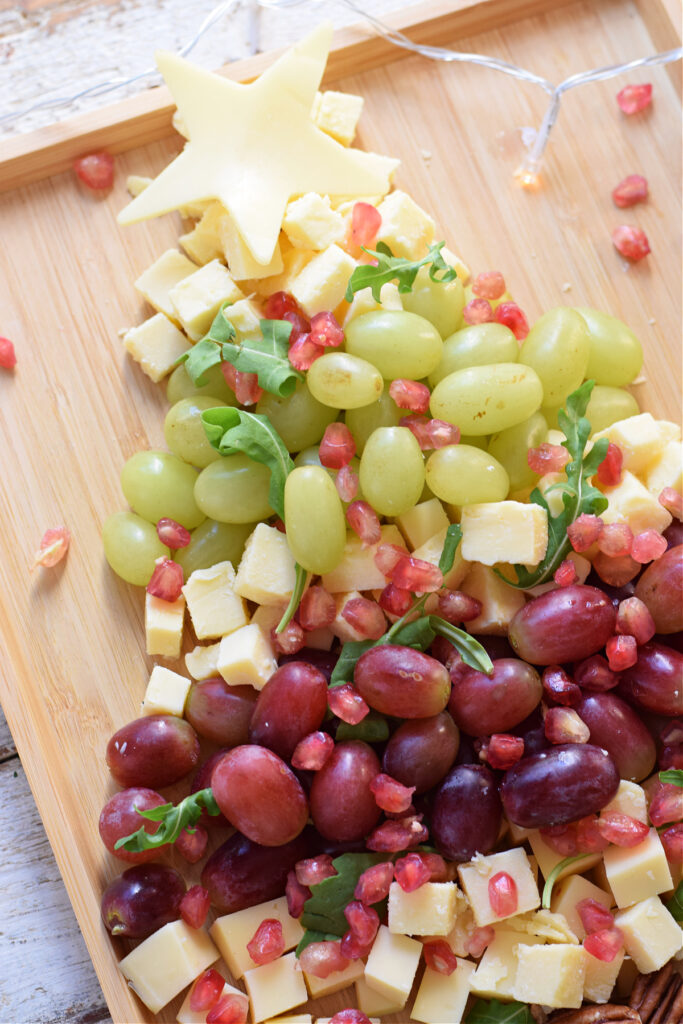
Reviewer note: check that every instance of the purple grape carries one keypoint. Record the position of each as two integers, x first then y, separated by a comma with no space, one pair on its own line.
421,751
466,814
219,712
617,729
655,682
153,751
482,705
291,705
343,807
567,624
142,900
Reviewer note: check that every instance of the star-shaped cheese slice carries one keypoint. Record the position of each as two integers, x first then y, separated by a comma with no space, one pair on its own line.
254,147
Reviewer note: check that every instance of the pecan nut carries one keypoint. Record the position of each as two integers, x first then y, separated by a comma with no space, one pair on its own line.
607,1013
658,997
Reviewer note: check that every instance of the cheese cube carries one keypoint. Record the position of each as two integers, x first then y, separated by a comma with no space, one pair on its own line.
322,282
550,975
155,283
373,1003
631,502
232,932
405,227
203,243
421,522
601,977
240,261
198,297
166,962
246,657
156,345
189,1016
639,439
453,260
652,936
429,910
667,471
496,972
544,925
500,603
548,859
392,964
275,987
504,531
553,498
166,693
637,872
245,317
335,982
311,223
337,114
267,572
669,431
202,661
363,301
137,183
431,551
442,997
294,261
357,569
342,629
570,891
474,878
629,799
164,626
215,606
295,1018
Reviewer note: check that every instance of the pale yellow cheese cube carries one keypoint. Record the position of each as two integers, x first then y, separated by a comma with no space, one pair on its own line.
631,502
189,1016
356,569
268,616
166,962
638,438
652,936
544,925
198,297
392,964
232,932
275,988
155,283
240,261
504,531
245,317
363,301
496,972
601,977
246,657
267,572
429,910
553,498
343,630
215,606
203,243
442,997
500,603
550,975
202,661
137,183
518,833
475,876
405,227
669,431
336,981
570,891
156,345
164,626
320,639
548,859
311,223
629,799
431,551
667,471
293,262
422,522
337,114
637,872
294,1018
453,260
373,1003
322,282
166,693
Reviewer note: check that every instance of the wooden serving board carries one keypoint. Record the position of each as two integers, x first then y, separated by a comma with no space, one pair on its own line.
74,668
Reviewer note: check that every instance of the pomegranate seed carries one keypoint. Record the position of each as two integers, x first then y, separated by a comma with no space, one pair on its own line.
604,945
322,959
622,652
393,836
558,687
503,894
300,326
206,990
326,331
634,619
439,956
296,895
476,943
172,534
347,704
634,98
416,575
622,829
672,501
616,572
390,794
337,447
565,574
648,546
350,1017
387,557
632,190
595,917
547,458
561,839
312,752
455,606
630,242
290,640
96,171
314,870
409,394
584,531
166,581
394,600
366,221
609,470
364,522
278,304
418,426
504,751
439,871
351,948
8,357
615,540
346,482
244,385
478,311
667,805
440,434
279,525
317,608
411,872
562,725
230,1009
489,285
363,922
672,841
192,845
366,617
595,674
194,907
374,883
303,353
53,547
589,839
510,315
267,943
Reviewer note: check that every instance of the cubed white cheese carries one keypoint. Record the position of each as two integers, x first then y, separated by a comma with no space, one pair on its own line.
405,227
548,859
343,630
570,891
422,522
188,1016
631,502
550,975
311,223
637,872
392,964
443,997
373,1003
293,262
267,572
198,297
203,243
335,982
601,977
651,935
164,626
475,877
364,302
504,531
453,260
639,439
431,551
322,283
275,988
166,962
137,183
246,657
429,910
357,569
242,264
629,799
667,471
232,932
544,925
156,345
213,602
496,972
337,114
166,693
500,603
245,317
155,283
202,661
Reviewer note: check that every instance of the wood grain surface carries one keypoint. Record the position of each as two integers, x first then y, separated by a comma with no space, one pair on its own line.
74,667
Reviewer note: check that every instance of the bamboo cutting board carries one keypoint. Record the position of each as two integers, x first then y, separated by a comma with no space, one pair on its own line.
74,668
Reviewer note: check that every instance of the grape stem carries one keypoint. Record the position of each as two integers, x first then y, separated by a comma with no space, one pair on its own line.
553,876
173,819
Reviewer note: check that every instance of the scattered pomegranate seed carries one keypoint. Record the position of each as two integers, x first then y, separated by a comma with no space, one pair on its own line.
230,1009
350,1017
478,311
53,547
672,501
476,943
300,326
622,652
595,917
417,575
374,883
648,546
584,531
666,805
317,608
192,845
565,574
337,447
351,948
604,945
634,619
563,725
206,990
630,242
616,572
311,753
672,841
440,434
347,704
278,304
363,922
409,394
589,839
172,534
609,470
393,836
387,557
504,750
561,839
390,794
194,907
290,640
634,98
8,357
632,190
411,872
322,959
166,581
326,331
622,829
314,870
558,687
267,943
503,894
296,894
455,606
303,353
244,385
394,600
96,171
366,617
366,221
595,674
346,482
279,525
439,956
364,522
489,285
547,458
417,425
615,540
510,315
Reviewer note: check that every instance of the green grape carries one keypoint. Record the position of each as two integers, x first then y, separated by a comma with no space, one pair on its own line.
460,475
557,347
300,420
486,399
344,381
159,485
509,447
392,473
607,405
616,355
234,490
441,304
475,442
180,386
184,430
311,457
476,345
214,542
131,546
382,413
398,343
316,527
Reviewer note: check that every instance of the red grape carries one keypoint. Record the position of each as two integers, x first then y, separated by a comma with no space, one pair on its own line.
654,682
241,873
616,728
154,751
421,751
219,712
202,780
402,682
343,806
291,704
562,625
467,813
141,900
482,705
660,588
120,818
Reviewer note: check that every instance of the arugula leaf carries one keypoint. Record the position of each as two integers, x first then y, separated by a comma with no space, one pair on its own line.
234,430
672,776
469,649
297,594
174,819
267,357
396,268
324,910
450,546
495,1012
207,352
578,495
346,662
374,728
553,876
675,904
